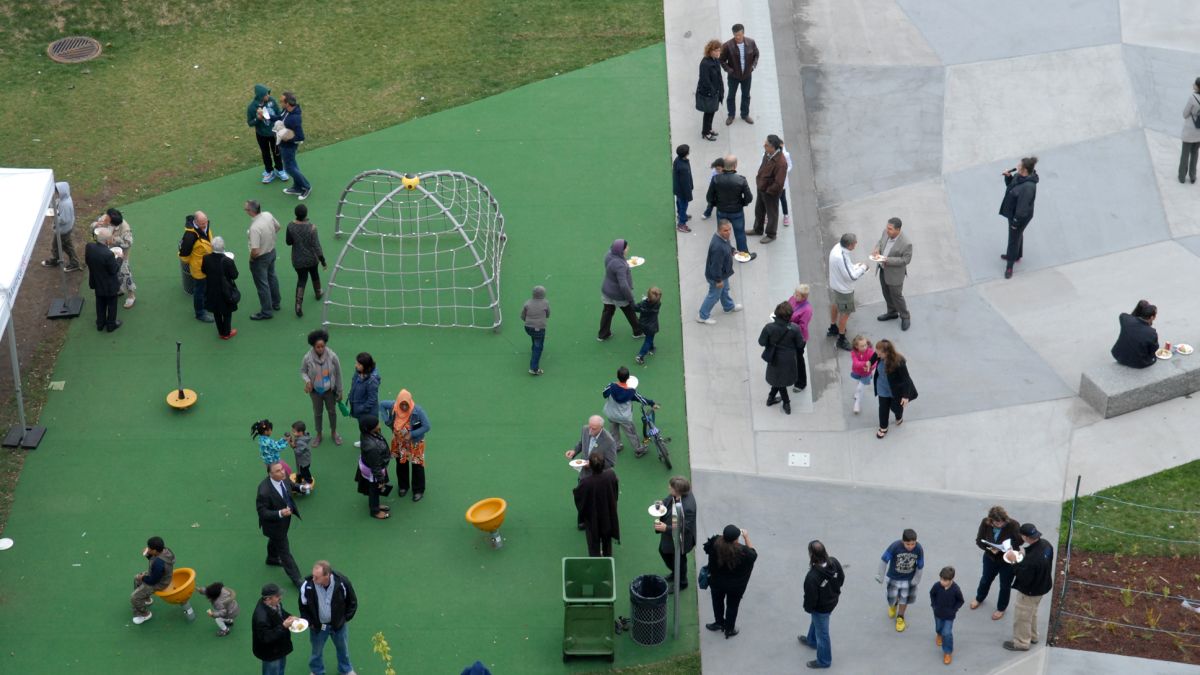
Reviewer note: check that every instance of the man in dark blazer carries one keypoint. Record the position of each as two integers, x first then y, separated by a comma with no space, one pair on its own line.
270,638
897,253
275,510
680,491
739,57
102,277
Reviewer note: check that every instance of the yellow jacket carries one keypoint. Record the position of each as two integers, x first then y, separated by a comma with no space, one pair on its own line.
193,247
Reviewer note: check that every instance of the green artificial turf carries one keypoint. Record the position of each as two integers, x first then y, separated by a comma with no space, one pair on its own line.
575,162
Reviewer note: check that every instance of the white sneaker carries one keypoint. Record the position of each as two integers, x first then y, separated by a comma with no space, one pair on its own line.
710,321
857,406
736,308
139,620
787,220
129,302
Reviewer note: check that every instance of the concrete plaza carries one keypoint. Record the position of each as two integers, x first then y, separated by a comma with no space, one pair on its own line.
913,108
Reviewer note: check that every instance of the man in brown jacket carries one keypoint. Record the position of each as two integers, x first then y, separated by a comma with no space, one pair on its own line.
739,56
771,182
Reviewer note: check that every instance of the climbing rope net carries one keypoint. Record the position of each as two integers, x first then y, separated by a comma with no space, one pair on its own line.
423,250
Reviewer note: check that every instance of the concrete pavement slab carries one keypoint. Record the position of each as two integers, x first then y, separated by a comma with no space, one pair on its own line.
1094,198
1078,662
964,32
986,122
872,129
1142,442
1068,314
1190,243
924,210
1181,201
1160,23
856,524
862,33
1162,82
953,370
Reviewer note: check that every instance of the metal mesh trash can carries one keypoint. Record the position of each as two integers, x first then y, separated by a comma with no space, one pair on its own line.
648,600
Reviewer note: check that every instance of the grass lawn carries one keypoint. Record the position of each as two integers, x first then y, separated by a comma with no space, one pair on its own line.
164,106
1175,488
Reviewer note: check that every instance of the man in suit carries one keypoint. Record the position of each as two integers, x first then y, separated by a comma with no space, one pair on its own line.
275,510
103,267
594,438
897,253
680,491
739,56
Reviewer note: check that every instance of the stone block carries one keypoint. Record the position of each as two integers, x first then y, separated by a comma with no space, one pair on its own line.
1113,389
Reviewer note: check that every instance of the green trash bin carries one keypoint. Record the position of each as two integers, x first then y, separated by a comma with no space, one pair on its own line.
589,597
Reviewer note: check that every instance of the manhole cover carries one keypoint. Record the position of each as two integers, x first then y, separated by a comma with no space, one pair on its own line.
75,49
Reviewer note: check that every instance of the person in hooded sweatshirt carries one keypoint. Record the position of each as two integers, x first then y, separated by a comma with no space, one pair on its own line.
822,589
64,225
1017,206
1138,340
535,313
287,150
617,290
262,113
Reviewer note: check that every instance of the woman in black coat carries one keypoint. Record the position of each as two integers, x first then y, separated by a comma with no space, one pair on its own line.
1020,191
893,386
729,567
374,455
710,89
781,343
1138,340
221,294
596,502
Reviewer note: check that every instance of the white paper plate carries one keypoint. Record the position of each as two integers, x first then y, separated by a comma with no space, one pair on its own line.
578,464
298,626
229,254
1163,354
636,261
742,256
117,251
657,511
1184,349
632,381
876,258
6,544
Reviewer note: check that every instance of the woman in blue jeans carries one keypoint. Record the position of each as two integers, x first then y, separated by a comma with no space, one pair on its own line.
996,528
287,149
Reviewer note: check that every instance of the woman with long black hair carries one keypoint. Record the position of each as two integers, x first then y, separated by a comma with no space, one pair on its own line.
729,567
893,385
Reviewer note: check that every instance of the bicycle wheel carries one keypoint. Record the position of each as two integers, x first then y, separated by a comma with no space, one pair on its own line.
664,454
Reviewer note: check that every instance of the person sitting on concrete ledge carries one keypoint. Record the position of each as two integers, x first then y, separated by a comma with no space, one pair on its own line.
1138,340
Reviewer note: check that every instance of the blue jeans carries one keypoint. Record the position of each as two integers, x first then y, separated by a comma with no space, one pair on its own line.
710,300
945,628
991,569
738,220
681,205
288,153
275,667
318,637
262,269
647,344
199,288
818,637
539,341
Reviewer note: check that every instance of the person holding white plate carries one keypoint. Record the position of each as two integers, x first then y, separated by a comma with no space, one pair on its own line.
892,255
271,636
1033,579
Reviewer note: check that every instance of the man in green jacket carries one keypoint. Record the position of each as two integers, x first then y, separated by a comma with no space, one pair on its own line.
262,113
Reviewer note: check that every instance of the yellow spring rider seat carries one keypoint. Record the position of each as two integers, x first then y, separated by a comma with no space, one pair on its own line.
488,515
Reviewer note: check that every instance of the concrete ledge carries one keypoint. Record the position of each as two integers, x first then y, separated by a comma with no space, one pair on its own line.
1113,389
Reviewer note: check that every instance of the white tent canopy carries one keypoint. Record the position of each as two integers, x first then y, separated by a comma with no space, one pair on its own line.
25,195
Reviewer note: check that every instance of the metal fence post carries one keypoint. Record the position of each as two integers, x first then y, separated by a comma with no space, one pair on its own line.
1062,594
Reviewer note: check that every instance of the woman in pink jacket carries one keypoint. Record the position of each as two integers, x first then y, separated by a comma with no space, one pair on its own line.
801,314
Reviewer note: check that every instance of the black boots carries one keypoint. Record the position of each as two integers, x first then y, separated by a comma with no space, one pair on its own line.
299,302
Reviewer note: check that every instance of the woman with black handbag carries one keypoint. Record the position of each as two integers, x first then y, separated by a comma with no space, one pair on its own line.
729,567
221,295
781,344
710,89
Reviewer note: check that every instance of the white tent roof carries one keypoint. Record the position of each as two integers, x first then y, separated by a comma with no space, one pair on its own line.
25,195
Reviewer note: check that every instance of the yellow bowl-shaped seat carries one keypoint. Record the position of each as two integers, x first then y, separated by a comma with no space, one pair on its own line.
487,514
183,584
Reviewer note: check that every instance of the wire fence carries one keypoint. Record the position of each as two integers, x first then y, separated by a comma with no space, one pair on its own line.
1129,572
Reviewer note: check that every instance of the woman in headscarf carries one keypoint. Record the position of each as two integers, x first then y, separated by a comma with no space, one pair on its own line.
410,424
596,501
617,290
372,464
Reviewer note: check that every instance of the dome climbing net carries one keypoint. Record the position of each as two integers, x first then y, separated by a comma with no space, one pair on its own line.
423,250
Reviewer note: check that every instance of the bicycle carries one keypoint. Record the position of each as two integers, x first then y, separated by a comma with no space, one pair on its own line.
651,432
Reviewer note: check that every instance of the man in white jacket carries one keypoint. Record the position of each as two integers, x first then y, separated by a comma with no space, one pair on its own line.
843,272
